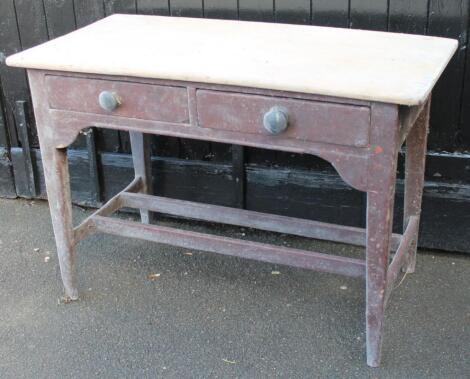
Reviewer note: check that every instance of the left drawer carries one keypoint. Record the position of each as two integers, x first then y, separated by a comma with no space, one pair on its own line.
135,100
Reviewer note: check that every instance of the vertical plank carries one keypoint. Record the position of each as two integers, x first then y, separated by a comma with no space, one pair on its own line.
368,14
7,183
88,11
60,17
31,23
220,152
164,146
333,13
448,19
195,149
14,83
292,11
124,142
119,6
153,7
224,9
408,16
28,171
256,10
4,142
33,31
186,8
465,108
108,140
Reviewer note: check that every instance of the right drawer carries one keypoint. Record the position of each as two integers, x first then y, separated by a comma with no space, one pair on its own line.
308,120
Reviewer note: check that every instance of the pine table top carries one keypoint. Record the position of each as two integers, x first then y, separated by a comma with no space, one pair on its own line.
356,64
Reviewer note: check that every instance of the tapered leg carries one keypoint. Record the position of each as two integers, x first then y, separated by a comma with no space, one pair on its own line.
414,177
380,198
379,227
58,193
142,166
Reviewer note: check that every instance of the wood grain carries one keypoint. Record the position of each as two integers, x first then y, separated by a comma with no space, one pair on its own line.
387,67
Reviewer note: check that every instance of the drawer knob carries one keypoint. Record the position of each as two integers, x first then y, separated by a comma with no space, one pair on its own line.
276,120
109,101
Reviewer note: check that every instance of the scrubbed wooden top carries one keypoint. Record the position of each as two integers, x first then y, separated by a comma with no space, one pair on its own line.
356,64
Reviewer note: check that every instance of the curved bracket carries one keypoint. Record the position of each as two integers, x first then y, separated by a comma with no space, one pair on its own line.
64,135
351,166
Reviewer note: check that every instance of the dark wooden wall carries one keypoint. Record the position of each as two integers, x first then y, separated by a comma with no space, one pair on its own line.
257,179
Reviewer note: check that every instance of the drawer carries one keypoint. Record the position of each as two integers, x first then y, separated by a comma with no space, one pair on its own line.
308,120
137,100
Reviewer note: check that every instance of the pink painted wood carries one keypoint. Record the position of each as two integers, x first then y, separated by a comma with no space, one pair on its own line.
142,166
414,176
361,140
308,120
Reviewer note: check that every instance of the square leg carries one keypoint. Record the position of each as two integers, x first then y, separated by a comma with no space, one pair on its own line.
379,230
381,181
414,177
56,174
141,157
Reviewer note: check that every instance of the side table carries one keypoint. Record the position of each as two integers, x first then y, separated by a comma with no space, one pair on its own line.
350,97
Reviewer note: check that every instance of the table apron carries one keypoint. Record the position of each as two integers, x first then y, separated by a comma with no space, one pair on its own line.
344,132
350,162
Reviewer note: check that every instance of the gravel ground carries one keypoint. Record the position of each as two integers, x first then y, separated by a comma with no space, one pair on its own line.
212,316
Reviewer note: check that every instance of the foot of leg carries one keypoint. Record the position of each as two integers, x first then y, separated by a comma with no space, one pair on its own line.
58,193
379,223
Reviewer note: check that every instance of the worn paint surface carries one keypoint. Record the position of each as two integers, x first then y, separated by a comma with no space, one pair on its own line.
370,167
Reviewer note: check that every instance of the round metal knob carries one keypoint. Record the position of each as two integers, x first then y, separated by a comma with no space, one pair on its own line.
276,120
109,101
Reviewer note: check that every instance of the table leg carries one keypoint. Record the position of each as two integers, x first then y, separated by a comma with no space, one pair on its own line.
380,199
414,177
379,228
141,155
57,179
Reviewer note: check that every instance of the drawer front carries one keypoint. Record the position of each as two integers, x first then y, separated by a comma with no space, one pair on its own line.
137,100
307,120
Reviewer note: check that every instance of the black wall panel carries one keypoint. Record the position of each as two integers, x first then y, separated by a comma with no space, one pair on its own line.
245,176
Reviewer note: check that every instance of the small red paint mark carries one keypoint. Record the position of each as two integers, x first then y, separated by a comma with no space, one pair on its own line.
378,149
